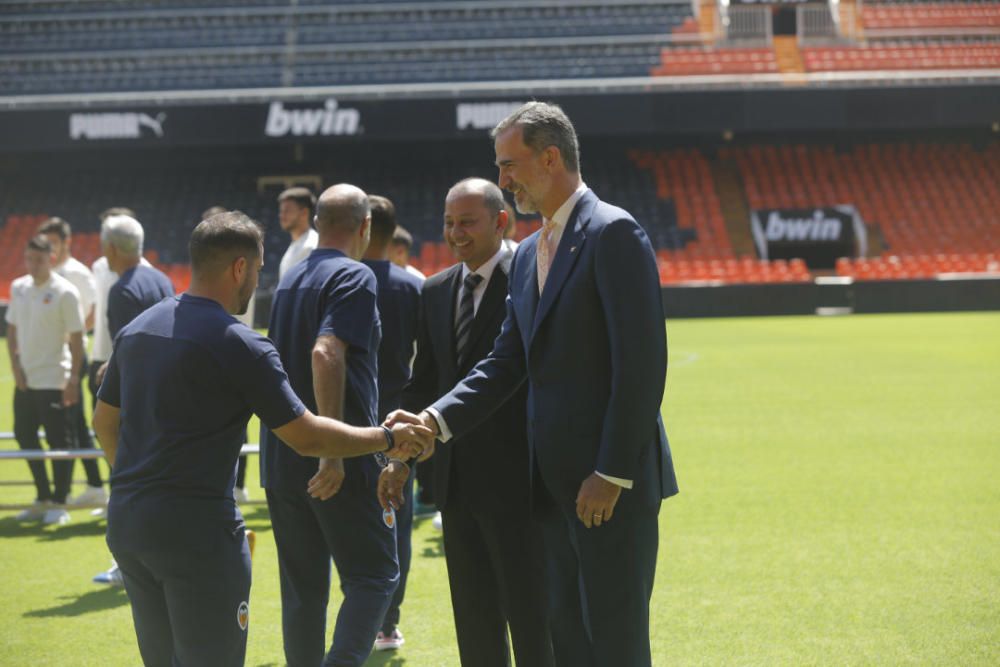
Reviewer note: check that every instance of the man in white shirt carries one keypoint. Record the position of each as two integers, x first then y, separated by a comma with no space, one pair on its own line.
295,212
60,235
45,343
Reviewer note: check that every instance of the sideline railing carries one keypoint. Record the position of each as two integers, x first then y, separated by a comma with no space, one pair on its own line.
72,455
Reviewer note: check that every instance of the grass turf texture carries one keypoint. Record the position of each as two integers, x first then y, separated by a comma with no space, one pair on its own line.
839,505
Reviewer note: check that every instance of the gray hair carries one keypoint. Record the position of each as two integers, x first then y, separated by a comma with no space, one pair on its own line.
543,125
124,233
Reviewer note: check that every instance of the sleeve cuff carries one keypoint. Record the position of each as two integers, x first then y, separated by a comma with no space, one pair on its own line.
618,481
445,432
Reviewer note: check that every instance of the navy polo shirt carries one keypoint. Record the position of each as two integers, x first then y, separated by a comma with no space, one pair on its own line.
187,376
398,308
138,288
326,294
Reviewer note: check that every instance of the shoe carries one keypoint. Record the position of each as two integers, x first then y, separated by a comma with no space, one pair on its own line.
390,642
36,512
93,495
112,577
241,495
56,517
422,510
437,522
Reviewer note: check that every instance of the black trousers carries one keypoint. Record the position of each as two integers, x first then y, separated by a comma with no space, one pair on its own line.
496,572
34,408
84,440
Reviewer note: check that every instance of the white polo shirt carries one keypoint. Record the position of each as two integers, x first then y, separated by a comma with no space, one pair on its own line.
83,280
104,278
45,315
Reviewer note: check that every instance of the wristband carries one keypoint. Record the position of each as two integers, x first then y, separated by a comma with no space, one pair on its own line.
390,439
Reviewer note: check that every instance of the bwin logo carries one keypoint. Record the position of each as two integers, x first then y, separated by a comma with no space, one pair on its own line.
327,120
126,125
800,229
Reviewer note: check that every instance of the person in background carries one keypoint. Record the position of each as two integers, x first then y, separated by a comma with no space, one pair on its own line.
325,325
295,214
45,344
399,251
423,502
100,350
398,307
60,236
138,287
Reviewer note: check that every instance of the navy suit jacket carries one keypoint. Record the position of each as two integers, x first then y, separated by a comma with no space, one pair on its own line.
593,348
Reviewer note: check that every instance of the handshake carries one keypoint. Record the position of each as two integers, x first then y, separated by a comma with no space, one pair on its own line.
414,438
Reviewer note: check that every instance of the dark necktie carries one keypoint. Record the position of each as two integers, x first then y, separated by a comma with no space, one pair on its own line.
466,311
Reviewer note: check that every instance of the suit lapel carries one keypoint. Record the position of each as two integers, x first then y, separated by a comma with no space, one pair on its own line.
447,323
570,247
525,300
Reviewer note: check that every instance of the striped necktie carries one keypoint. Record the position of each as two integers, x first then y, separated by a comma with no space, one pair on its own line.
466,311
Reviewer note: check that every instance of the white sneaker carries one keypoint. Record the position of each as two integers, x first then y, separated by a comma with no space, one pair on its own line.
389,642
36,512
56,517
93,495
241,495
437,522
112,577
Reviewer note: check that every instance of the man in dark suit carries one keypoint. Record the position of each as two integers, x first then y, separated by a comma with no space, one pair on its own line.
584,327
481,479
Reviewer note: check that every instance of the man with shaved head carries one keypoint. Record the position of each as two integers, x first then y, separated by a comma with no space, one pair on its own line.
325,324
481,479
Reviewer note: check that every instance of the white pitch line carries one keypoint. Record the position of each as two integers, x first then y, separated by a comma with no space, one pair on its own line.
681,359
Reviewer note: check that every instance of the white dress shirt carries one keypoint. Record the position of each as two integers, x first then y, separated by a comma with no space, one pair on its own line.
560,218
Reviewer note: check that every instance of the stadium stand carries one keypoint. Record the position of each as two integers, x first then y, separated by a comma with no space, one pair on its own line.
902,56
885,15
932,205
158,45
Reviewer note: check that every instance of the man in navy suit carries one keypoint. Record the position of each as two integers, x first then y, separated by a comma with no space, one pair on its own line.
584,327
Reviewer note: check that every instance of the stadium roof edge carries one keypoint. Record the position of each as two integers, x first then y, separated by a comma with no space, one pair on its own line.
523,88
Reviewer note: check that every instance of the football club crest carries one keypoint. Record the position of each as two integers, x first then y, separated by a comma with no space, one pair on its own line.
243,615
389,518
47,299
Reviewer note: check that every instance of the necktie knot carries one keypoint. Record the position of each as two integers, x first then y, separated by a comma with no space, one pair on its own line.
471,281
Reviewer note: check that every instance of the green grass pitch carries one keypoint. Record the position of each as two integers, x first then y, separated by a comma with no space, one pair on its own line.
839,505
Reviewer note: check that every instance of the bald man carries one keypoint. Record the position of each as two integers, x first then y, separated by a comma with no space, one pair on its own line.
326,326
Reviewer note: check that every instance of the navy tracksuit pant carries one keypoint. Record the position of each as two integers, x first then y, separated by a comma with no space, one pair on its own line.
189,589
352,529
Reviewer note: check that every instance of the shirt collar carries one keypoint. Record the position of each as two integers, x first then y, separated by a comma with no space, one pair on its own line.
561,216
486,270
